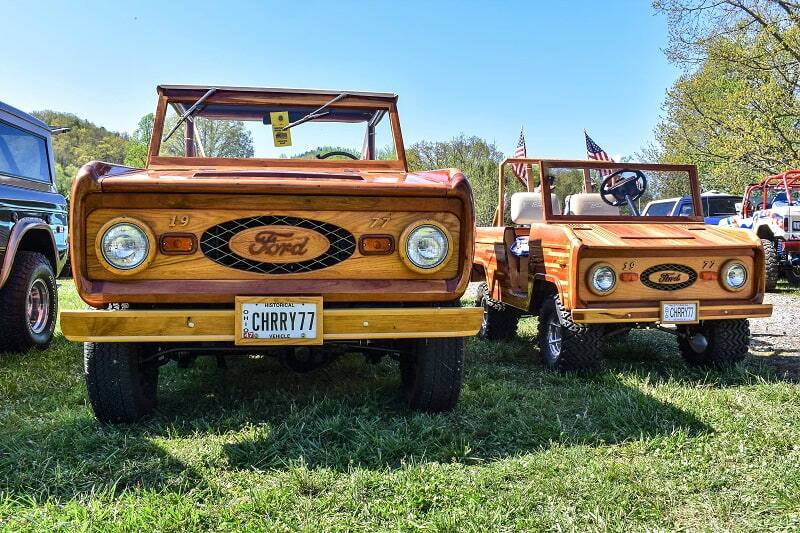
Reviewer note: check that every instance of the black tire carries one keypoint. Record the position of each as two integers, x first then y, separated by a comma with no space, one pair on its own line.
772,264
19,330
432,373
499,320
580,344
122,389
728,342
792,271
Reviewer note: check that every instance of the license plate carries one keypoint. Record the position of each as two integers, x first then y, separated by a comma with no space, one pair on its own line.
796,225
679,312
278,320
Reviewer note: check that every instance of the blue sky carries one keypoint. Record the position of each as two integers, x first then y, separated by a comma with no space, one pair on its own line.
484,69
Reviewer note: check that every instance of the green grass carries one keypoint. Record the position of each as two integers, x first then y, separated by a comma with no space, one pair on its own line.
647,444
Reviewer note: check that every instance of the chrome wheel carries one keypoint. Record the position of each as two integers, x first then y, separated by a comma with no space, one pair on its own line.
554,337
37,307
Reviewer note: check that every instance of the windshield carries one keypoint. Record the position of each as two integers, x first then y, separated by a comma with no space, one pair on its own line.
260,131
720,206
659,209
623,192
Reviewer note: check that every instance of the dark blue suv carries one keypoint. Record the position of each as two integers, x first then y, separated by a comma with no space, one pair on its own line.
33,232
716,206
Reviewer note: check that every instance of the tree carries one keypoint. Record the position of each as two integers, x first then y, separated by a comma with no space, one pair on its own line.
735,111
475,157
218,138
139,142
83,143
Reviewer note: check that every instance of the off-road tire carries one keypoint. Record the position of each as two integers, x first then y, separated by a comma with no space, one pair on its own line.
122,389
792,274
16,334
432,372
772,264
499,320
580,343
728,342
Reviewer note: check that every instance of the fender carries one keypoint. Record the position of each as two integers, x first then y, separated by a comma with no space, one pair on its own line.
23,226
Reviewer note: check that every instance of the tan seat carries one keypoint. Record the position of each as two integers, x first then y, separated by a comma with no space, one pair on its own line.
588,204
526,207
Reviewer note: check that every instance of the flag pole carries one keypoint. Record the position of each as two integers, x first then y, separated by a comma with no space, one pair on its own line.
587,178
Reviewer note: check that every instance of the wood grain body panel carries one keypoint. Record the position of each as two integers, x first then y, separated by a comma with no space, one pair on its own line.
635,291
218,325
666,237
196,265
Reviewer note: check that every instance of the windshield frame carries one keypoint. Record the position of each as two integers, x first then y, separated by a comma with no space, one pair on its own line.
544,165
187,97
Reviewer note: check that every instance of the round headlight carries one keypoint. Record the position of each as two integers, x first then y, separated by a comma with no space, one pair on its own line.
602,279
426,246
125,245
734,275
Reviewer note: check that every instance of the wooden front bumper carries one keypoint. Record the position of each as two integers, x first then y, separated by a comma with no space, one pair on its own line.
207,325
652,314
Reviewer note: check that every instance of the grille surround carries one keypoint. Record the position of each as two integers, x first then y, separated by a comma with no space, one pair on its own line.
214,245
645,277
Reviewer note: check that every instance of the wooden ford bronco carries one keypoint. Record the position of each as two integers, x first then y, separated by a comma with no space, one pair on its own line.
241,236
577,252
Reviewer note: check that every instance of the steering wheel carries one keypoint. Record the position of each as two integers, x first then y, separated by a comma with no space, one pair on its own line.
326,155
630,186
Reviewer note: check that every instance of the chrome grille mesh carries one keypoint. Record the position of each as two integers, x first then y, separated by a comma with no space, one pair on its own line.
214,245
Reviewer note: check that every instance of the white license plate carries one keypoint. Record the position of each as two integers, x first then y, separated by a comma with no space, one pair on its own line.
275,320
679,312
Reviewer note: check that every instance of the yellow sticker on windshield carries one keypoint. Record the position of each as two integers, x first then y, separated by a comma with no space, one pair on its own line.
280,136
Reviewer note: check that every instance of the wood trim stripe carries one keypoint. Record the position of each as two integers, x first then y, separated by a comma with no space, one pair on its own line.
652,314
218,325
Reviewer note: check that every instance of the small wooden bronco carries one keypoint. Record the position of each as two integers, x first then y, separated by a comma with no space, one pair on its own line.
270,245
592,267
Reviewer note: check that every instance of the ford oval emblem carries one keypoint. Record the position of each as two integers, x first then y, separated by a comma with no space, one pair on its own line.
668,277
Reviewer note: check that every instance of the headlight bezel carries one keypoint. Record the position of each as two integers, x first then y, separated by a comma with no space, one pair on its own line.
723,277
406,235
141,226
590,276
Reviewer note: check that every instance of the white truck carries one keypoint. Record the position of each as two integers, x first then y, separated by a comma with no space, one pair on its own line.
771,209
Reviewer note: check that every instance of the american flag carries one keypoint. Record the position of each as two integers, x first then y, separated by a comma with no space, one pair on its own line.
596,153
521,170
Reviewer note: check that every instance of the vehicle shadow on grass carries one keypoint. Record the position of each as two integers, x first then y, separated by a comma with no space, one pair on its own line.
351,414
52,448
655,354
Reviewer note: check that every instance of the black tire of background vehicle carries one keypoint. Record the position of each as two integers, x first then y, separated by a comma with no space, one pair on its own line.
499,320
772,264
580,343
16,334
121,388
432,373
728,342
793,273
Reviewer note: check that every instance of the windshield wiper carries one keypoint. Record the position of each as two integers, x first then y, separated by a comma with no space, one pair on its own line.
317,113
189,112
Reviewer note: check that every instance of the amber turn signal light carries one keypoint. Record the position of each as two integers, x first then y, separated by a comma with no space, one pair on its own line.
177,243
629,276
376,245
708,275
